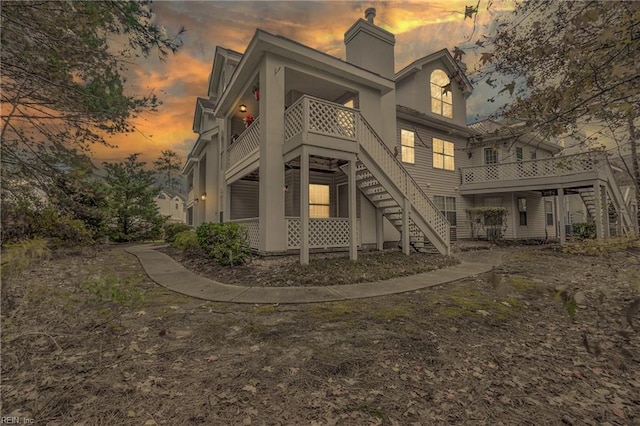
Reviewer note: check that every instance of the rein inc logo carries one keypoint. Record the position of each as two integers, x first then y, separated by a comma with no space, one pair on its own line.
16,421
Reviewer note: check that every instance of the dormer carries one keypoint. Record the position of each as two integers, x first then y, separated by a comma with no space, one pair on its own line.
225,62
436,86
203,117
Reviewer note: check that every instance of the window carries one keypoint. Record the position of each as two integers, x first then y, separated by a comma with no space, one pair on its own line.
522,209
447,205
407,139
318,200
548,212
176,206
443,154
441,99
490,156
519,153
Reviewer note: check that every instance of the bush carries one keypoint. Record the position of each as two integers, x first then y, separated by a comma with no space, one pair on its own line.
584,230
226,243
603,247
186,240
173,229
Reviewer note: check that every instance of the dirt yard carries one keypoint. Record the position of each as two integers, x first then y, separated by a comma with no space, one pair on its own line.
87,338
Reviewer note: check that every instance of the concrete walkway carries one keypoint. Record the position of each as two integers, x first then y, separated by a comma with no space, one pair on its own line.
170,274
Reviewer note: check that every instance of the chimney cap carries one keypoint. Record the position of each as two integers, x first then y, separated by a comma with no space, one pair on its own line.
370,13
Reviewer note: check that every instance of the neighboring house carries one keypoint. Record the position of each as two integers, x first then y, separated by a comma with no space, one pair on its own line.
171,204
311,151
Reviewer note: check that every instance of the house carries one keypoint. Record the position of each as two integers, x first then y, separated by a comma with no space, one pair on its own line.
171,204
313,152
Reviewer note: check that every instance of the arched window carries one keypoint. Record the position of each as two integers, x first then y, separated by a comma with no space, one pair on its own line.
441,99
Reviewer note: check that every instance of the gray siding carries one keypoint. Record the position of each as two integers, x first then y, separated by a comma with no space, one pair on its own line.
244,199
434,181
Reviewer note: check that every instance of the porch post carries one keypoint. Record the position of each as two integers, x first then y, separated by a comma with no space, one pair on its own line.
353,222
226,212
379,229
561,216
304,206
273,229
597,193
406,249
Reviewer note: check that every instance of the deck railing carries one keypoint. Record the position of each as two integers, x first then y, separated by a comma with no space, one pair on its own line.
530,169
313,115
247,143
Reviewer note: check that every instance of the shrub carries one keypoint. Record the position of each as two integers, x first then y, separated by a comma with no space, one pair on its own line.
603,247
226,243
585,230
185,240
493,219
173,229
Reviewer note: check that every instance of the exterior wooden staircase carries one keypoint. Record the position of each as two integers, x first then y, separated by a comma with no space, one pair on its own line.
382,178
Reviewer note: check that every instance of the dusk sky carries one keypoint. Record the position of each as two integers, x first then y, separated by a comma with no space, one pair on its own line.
420,27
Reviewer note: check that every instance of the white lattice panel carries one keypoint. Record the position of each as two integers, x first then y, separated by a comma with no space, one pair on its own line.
331,119
323,233
294,120
246,144
253,231
557,166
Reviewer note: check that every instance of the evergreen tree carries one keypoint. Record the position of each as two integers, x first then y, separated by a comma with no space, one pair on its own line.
62,83
134,213
168,165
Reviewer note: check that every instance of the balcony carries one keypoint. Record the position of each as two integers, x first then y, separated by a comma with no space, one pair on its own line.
320,123
547,173
245,150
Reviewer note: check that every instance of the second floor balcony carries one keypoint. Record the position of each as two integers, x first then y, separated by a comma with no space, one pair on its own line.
546,173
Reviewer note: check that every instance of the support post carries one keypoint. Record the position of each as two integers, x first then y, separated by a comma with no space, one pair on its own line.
597,195
304,206
562,232
605,212
406,248
379,229
353,216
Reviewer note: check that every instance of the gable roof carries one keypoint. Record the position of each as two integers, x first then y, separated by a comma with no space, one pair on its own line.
221,56
202,105
171,193
456,72
263,42
501,130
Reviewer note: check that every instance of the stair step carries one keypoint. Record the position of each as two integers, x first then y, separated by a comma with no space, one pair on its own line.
373,189
386,203
391,210
381,196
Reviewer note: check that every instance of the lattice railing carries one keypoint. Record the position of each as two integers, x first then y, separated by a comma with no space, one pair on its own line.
330,119
294,120
396,172
246,144
313,115
253,230
323,233
554,166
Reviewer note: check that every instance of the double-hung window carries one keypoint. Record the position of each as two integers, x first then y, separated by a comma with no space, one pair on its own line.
447,205
443,154
318,200
407,139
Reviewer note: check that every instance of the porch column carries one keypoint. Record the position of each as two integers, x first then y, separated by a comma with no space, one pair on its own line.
597,199
304,206
273,230
379,229
353,214
561,217
406,249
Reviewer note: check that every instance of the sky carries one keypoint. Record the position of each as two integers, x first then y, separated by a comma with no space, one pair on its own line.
420,27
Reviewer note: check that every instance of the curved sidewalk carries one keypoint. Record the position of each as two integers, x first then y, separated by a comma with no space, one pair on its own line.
165,271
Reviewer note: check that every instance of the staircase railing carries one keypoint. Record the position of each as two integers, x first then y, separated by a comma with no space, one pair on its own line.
618,199
393,168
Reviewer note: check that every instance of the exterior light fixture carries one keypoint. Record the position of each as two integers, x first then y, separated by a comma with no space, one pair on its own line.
203,196
286,188
243,108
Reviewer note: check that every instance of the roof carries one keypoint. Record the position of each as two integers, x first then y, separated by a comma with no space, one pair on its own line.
172,193
264,42
490,130
457,73
410,114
